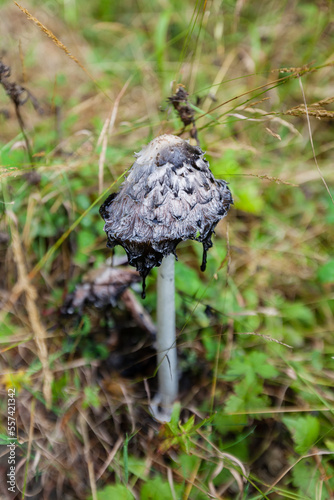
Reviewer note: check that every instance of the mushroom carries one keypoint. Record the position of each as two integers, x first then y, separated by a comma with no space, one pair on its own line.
170,195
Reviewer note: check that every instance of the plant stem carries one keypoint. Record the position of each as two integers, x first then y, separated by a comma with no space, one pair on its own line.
166,339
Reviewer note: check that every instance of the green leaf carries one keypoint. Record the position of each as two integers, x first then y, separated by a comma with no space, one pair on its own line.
137,467
155,489
259,362
298,312
249,199
116,491
234,404
255,362
326,272
85,239
305,476
175,417
236,368
91,397
227,165
330,444
5,439
248,387
266,371
186,279
188,426
304,430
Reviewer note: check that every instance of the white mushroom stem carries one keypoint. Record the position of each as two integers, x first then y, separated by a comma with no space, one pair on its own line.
166,340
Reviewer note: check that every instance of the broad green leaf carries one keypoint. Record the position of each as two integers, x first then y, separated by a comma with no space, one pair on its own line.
234,404
259,361
304,430
156,489
306,477
236,368
112,492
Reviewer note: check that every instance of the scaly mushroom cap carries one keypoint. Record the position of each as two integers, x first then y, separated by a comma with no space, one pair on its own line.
169,195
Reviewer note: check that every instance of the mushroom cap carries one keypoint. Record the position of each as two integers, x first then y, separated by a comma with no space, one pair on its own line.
169,195
101,287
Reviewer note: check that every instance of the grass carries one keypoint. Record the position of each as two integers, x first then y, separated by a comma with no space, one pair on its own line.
255,331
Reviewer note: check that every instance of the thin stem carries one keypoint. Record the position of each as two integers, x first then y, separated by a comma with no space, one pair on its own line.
25,137
166,338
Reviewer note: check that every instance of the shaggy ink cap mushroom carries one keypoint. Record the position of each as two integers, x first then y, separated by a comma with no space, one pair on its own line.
169,195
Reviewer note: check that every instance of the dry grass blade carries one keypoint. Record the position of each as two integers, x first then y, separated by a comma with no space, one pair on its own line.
280,477
31,435
191,481
24,72
84,432
272,179
219,78
229,459
59,44
311,140
215,473
171,483
255,89
273,134
36,325
106,132
17,289
51,35
253,104
110,458
269,116
266,337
